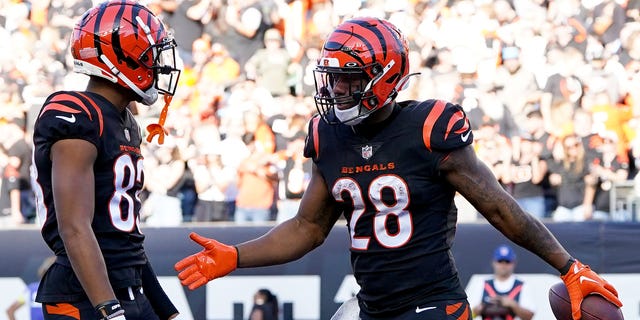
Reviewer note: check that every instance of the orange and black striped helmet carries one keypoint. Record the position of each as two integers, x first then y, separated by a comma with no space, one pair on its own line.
125,43
370,48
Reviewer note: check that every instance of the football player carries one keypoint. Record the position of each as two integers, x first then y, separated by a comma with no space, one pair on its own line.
392,169
88,169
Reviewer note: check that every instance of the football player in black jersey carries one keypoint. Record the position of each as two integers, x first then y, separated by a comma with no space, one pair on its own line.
88,169
392,169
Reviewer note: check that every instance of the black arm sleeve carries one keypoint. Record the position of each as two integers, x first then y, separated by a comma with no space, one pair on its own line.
159,300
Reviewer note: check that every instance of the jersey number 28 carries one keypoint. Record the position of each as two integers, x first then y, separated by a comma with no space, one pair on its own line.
383,235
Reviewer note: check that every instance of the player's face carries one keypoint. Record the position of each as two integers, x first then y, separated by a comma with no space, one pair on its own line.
344,87
347,85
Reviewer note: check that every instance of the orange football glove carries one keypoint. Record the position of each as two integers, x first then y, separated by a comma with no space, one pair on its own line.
581,281
215,261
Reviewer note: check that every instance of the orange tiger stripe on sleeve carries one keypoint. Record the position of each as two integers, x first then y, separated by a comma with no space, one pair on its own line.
98,111
429,123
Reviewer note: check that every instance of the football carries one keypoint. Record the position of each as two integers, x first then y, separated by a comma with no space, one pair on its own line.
594,307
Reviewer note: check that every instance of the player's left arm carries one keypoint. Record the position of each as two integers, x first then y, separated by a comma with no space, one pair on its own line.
469,176
473,179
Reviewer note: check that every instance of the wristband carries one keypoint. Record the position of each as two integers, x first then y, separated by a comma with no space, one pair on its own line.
567,266
109,310
237,256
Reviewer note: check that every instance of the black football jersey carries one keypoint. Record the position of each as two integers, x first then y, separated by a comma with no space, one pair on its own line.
118,174
400,212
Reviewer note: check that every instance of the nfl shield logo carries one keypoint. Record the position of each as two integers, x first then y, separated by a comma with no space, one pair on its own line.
367,152
127,135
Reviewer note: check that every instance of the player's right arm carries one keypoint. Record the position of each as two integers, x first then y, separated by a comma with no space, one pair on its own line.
294,238
73,192
286,242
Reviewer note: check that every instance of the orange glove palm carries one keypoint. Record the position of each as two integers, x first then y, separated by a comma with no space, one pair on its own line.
215,261
582,281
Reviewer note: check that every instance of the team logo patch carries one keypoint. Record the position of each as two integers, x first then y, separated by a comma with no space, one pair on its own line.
329,62
367,152
127,135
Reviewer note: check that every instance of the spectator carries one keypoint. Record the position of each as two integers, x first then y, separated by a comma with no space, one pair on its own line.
608,115
492,107
609,168
493,148
630,51
601,75
525,175
16,184
295,177
518,84
258,131
265,306
504,296
213,179
271,66
583,127
235,152
164,177
245,26
185,24
569,24
218,72
445,77
246,95
534,130
257,177
563,86
576,185
62,14
608,20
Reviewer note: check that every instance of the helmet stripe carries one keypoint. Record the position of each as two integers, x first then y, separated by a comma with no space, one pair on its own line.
96,28
379,36
400,45
135,11
115,36
355,56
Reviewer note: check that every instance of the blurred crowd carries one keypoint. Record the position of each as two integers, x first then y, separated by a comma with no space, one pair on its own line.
550,88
